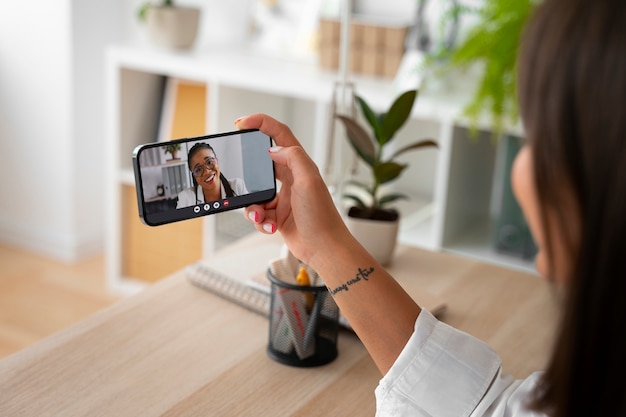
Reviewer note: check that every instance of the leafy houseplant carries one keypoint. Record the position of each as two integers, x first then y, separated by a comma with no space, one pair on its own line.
373,224
370,148
493,41
173,149
170,26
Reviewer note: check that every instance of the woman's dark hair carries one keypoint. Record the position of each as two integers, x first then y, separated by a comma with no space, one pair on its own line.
195,148
572,89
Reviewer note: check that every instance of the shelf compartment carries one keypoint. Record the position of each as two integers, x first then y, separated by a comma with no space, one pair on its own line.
476,242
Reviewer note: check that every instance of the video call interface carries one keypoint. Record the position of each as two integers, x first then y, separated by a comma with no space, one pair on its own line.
171,186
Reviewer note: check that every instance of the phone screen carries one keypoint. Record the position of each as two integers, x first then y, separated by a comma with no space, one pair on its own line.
192,177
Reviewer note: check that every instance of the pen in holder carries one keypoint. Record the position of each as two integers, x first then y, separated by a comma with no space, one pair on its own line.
303,322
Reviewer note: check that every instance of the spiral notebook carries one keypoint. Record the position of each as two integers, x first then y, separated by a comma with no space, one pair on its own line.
251,297
229,274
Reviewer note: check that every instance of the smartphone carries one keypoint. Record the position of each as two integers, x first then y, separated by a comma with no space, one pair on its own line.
192,177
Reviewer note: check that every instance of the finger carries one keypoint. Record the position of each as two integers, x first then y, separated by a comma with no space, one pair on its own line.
295,159
278,131
264,220
254,213
267,227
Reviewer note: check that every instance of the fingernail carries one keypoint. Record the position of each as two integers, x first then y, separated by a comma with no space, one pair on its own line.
238,121
254,216
275,149
269,227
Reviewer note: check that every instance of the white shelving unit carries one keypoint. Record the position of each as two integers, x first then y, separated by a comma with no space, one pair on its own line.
450,187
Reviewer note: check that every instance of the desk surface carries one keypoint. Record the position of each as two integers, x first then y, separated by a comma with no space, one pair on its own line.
175,349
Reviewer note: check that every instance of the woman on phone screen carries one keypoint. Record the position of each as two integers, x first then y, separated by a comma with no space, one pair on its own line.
209,184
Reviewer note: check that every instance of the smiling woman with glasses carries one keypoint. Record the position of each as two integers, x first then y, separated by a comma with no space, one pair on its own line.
209,184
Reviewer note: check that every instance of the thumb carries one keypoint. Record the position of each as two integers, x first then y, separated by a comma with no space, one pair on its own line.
278,131
293,165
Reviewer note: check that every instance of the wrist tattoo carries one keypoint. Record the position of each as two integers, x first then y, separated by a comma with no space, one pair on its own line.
361,275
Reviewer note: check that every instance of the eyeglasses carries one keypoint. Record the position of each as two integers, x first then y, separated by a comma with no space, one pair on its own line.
199,169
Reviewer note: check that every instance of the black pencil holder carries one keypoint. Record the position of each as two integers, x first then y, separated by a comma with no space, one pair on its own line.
303,324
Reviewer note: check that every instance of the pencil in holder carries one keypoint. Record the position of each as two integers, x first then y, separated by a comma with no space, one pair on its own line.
303,321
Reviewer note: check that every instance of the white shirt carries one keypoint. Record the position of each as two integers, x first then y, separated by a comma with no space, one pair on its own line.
445,372
191,197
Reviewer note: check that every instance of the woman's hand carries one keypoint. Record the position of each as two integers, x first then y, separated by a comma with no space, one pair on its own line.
303,211
379,310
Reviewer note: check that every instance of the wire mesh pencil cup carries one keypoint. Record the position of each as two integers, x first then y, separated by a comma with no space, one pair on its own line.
303,320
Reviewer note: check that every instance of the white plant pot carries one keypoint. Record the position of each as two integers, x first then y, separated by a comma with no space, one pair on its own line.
378,237
173,27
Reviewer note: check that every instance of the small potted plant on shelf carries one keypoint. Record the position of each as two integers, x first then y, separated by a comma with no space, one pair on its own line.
170,26
370,218
173,149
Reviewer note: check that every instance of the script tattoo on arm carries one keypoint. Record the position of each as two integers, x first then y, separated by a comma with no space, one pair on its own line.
361,275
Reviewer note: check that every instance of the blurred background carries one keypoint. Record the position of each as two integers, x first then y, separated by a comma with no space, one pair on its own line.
57,138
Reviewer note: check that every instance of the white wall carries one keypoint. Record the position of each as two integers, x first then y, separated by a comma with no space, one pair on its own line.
95,24
50,98
35,124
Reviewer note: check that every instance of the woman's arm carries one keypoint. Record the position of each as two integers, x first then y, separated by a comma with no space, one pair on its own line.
378,309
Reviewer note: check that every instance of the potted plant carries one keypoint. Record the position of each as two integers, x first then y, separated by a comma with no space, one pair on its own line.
370,218
170,26
173,149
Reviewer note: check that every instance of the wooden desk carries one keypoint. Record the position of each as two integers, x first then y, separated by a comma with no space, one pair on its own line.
175,349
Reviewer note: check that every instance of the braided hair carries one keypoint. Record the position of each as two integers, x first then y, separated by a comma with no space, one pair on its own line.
197,147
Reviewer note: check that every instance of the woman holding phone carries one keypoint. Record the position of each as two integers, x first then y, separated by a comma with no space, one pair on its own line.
570,180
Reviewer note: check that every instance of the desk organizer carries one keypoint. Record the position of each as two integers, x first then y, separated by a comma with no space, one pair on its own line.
304,319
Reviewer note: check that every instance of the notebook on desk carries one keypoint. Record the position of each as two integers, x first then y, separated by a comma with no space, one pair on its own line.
229,276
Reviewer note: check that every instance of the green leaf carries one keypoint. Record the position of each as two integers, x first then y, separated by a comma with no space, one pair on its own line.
494,41
360,140
389,198
142,12
422,144
397,115
388,171
357,200
371,117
